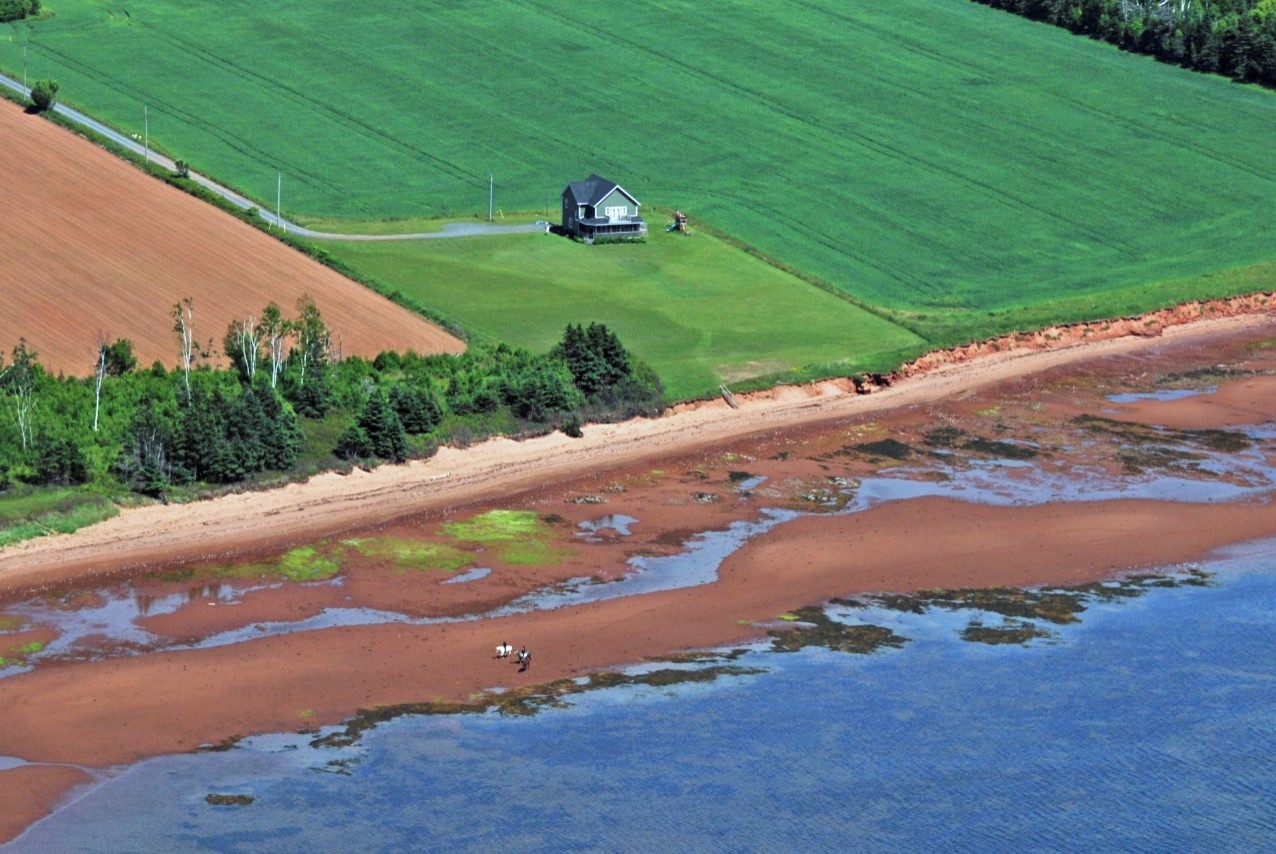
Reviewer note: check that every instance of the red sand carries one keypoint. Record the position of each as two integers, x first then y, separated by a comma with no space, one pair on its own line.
29,793
120,710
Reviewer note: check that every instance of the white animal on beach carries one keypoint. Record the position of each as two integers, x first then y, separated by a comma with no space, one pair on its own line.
503,650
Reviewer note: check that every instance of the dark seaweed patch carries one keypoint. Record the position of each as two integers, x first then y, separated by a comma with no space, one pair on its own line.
1222,441
218,800
699,657
342,766
1010,631
889,448
1140,460
996,448
1058,605
737,476
819,499
366,719
817,629
943,437
529,700
1205,376
222,746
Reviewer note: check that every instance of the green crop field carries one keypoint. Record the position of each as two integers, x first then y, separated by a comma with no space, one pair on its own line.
694,308
962,169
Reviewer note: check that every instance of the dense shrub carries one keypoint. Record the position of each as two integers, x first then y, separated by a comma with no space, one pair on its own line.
59,461
418,408
14,10
44,94
382,429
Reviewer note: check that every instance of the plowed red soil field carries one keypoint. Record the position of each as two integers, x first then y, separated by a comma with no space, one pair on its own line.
89,245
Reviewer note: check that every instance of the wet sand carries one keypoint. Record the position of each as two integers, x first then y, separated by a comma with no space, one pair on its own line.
117,710
28,792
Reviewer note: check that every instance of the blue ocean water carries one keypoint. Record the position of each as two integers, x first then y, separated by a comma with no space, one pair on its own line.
1150,725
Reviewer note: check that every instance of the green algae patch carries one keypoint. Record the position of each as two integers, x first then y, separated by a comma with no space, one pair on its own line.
533,553
404,554
307,563
818,629
10,624
301,564
497,526
516,536
18,655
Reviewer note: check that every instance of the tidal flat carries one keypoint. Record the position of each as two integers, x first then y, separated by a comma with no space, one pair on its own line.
1013,516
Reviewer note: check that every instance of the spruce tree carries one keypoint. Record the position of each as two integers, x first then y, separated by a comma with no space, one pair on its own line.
384,430
418,408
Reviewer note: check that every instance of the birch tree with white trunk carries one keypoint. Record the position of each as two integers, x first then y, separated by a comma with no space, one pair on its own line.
99,376
18,382
243,345
275,330
184,326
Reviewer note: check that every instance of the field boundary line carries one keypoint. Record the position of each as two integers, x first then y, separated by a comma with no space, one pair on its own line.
451,230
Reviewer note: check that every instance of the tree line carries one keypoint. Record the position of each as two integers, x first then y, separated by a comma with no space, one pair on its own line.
16,10
1235,38
288,401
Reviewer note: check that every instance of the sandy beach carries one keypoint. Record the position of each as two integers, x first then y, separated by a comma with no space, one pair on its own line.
330,503
672,474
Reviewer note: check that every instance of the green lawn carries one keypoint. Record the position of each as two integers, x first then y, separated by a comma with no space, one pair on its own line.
696,309
28,513
961,168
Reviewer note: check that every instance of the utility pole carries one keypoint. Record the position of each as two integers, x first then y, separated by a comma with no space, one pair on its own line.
279,201
491,191
24,66
146,132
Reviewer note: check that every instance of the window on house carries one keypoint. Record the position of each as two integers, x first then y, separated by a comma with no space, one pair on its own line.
617,212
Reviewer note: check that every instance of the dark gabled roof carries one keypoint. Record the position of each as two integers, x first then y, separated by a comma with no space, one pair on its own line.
593,190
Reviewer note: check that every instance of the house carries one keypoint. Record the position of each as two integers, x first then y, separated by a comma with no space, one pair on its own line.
597,207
